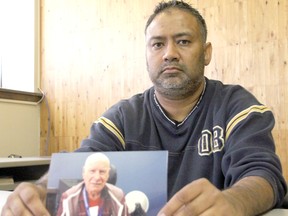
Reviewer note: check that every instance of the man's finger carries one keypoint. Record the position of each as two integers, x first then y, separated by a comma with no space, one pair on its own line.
33,201
14,206
181,198
27,199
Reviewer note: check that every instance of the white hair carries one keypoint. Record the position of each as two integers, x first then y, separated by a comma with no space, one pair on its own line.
96,157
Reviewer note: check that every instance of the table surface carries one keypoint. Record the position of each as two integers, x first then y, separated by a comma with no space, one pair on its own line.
24,161
274,212
3,197
277,212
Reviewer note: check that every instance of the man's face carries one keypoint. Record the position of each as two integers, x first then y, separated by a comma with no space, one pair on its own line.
176,53
95,176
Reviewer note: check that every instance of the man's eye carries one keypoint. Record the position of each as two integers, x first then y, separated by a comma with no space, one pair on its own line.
157,45
184,42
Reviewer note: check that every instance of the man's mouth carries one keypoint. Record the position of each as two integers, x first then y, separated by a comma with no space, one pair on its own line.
171,69
96,183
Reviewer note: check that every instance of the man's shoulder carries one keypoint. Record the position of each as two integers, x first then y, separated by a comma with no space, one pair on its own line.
73,190
218,87
134,102
222,85
114,188
116,191
139,97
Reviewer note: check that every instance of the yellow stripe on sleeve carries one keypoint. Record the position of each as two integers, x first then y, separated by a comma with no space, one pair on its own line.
243,115
112,128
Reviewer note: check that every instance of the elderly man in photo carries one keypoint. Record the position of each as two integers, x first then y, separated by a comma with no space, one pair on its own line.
94,196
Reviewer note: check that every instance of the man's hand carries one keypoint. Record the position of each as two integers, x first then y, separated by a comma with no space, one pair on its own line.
27,199
249,196
200,198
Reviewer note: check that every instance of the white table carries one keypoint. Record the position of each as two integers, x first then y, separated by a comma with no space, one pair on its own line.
277,212
22,169
274,212
3,197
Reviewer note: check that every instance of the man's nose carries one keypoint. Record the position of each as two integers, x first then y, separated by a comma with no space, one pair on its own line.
96,175
171,53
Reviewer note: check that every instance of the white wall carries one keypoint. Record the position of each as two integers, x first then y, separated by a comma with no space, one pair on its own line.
19,129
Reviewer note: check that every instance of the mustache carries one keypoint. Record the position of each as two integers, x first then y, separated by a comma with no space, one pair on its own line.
171,66
166,66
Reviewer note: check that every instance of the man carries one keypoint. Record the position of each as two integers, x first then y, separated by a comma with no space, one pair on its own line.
222,157
94,196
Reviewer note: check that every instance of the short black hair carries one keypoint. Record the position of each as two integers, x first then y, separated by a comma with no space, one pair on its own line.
181,5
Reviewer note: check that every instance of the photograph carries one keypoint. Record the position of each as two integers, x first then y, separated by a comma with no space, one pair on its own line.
107,183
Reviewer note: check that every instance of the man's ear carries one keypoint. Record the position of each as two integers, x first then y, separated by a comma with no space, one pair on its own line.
207,53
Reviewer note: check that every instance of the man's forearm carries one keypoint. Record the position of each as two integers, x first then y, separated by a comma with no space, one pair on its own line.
251,195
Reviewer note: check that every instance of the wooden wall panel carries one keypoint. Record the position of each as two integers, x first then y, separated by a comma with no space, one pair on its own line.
93,54
250,47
